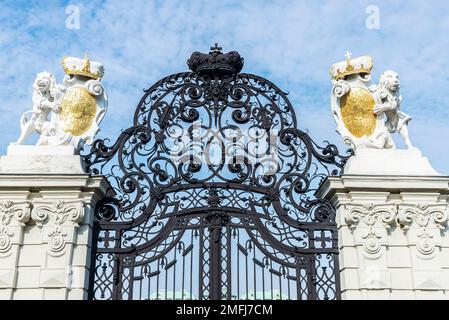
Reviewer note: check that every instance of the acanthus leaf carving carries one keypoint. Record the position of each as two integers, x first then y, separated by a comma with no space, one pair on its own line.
56,216
440,218
58,213
423,215
19,211
371,215
11,212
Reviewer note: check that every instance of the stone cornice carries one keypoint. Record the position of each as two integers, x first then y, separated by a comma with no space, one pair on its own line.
397,184
27,181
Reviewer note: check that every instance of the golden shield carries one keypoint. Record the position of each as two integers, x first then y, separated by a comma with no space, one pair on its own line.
357,112
78,109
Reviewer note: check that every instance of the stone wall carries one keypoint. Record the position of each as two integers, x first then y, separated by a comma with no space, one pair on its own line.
393,235
45,234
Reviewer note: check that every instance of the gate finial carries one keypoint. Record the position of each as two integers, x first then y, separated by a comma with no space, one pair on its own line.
215,48
216,63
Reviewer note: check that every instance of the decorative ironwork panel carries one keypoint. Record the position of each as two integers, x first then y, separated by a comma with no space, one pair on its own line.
213,194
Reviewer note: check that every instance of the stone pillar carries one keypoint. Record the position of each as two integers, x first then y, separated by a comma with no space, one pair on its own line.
393,233
46,215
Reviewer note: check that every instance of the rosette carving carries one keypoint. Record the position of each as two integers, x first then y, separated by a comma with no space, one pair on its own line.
371,215
55,216
425,244
423,217
5,239
57,240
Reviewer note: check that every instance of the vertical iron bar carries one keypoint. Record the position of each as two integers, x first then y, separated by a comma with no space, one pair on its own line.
229,262
131,277
337,276
166,279
280,287
311,277
191,264
215,259
174,274
149,282
254,271
141,282
246,276
116,279
201,265
93,261
298,283
271,279
263,281
238,265
157,279
183,275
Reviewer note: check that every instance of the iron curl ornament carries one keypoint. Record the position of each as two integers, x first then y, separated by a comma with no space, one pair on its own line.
213,194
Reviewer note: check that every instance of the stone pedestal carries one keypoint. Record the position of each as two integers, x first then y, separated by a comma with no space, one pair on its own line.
46,214
41,159
389,162
393,233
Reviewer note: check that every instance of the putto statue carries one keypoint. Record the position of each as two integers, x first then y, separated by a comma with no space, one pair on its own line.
367,115
69,113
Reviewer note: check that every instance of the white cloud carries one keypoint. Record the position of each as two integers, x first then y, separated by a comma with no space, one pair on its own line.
290,42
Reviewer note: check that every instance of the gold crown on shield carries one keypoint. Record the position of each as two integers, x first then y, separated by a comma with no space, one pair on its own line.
340,70
83,67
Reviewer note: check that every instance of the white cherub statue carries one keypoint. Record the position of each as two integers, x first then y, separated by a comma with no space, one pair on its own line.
388,92
47,95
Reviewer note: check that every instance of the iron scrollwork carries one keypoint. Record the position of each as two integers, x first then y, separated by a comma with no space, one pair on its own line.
213,194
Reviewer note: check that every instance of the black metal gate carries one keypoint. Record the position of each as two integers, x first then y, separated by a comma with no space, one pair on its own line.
213,194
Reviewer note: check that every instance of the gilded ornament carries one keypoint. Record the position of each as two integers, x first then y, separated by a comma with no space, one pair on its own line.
357,112
78,110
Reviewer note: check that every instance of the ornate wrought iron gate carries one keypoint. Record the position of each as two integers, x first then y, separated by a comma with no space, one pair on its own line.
213,194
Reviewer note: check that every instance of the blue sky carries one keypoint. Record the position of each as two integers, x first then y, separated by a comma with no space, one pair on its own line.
292,43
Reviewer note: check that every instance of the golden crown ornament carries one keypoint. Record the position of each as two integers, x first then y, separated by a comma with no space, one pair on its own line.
83,67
